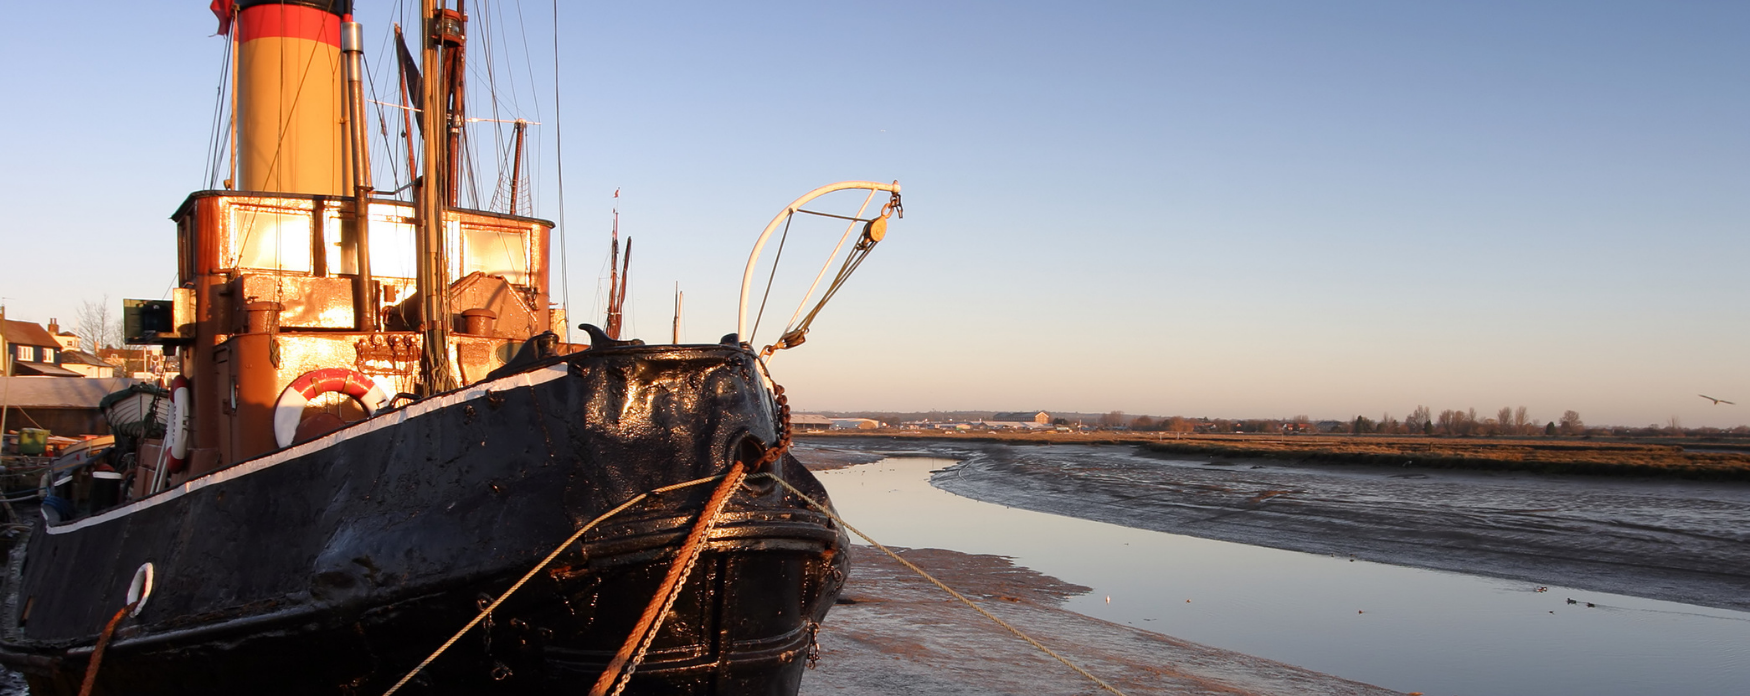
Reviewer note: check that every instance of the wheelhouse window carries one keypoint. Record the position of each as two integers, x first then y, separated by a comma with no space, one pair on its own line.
271,239
393,250
496,251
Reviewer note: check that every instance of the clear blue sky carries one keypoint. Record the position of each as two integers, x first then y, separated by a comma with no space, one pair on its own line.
1237,209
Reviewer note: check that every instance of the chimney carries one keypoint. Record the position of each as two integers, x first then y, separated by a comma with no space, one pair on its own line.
289,105
54,327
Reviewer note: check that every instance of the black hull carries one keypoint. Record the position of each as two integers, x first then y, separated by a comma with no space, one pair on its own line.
337,565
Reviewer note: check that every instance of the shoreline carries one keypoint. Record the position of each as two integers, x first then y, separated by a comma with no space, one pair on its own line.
893,633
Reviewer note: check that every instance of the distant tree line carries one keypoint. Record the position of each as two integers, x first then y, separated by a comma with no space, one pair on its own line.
1508,421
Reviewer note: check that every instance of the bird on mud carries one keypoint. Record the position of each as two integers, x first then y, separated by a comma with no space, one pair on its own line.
1718,401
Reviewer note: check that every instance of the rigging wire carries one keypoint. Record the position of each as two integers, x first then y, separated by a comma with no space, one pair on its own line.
536,150
768,293
214,149
835,252
559,145
382,128
382,119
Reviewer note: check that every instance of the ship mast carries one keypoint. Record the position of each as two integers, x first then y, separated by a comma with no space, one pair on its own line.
516,167
444,34
618,270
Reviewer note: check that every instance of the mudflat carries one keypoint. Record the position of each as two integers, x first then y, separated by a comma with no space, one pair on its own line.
1660,538
894,633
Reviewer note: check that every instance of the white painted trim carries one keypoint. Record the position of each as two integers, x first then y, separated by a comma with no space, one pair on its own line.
525,379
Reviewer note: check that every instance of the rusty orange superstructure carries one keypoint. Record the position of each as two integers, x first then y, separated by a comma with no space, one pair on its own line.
267,296
273,281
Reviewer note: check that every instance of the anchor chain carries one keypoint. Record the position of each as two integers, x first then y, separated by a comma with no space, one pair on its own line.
627,660
813,653
730,482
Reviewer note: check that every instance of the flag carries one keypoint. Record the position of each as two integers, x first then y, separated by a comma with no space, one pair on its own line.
223,9
410,75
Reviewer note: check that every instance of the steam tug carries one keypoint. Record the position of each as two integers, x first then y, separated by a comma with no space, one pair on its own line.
379,439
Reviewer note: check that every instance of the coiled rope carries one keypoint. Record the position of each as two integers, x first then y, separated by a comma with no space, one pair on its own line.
822,509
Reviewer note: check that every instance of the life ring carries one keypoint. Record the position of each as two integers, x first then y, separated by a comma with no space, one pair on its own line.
176,427
289,410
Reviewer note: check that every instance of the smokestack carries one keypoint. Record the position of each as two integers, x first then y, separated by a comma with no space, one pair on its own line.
290,111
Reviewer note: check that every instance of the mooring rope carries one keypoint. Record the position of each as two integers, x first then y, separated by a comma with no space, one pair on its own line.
631,653
822,509
102,643
626,661
538,567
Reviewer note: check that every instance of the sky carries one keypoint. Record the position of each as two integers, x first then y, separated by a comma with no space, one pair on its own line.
1236,209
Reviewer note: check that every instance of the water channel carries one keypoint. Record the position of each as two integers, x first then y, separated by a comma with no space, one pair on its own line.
1401,628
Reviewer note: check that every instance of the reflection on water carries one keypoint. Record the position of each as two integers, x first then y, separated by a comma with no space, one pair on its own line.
1401,628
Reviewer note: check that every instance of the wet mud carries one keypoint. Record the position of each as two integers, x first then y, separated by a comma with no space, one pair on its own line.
894,633
1682,541
825,456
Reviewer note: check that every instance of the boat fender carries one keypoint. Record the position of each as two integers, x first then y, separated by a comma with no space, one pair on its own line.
176,430
140,589
289,410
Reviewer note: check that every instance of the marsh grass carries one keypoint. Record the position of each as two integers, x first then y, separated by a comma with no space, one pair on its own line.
1552,456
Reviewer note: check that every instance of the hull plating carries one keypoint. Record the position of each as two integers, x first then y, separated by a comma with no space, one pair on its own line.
336,565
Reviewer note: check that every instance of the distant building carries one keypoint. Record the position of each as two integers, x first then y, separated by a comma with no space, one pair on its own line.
807,422
67,339
86,364
854,424
35,352
140,363
1015,425
1039,417
60,406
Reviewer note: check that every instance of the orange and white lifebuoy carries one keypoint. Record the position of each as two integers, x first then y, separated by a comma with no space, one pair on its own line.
289,410
176,430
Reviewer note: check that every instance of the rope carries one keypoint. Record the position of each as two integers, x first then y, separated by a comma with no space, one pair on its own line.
532,571
840,520
631,654
682,568
102,643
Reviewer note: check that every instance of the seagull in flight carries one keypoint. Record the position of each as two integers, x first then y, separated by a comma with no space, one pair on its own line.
1718,401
